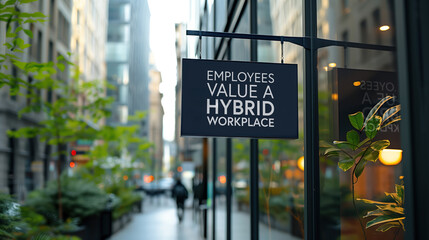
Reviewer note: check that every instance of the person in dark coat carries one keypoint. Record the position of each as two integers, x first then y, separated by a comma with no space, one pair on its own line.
180,193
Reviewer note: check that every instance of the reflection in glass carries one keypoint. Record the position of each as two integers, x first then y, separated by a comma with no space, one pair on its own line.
352,85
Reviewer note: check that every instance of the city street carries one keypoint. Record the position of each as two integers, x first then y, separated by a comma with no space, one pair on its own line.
159,221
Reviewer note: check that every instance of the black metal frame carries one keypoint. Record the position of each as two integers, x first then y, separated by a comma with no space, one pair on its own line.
305,42
413,74
311,44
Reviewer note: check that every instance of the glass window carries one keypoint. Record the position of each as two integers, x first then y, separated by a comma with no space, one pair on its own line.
350,81
121,12
117,51
281,168
118,33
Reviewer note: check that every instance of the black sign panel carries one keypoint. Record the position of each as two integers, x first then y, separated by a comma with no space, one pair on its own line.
239,99
360,90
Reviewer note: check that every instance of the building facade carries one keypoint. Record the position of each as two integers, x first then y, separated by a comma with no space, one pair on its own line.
26,164
127,59
354,47
156,114
88,40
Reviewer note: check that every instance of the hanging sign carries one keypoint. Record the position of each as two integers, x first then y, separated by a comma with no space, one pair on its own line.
239,99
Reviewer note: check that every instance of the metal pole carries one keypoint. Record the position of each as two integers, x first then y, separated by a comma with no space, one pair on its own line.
214,187
228,187
254,175
204,184
311,125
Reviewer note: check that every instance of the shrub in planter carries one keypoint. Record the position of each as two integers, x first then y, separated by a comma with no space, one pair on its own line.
80,199
22,223
9,216
127,199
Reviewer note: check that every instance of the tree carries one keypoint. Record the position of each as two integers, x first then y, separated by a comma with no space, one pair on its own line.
65,120
15,21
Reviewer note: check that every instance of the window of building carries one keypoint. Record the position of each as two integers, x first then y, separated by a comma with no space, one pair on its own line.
77,17
51,51
39,49
52,14
364,38
31,154
14,84
377,23
30,91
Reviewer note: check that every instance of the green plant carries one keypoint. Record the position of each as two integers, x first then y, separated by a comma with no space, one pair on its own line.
34,226
360,146
15,19
127,199
388,214
80,199
9,216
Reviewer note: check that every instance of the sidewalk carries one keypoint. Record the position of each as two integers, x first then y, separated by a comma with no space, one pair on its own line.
159,221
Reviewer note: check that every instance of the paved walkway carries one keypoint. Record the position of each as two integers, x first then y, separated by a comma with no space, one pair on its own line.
159,221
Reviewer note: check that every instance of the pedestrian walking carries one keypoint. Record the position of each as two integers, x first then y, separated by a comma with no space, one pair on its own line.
180,193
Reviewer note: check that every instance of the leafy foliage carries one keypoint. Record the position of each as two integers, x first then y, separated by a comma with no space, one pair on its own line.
35,226
80,198
127,199
9,216
360,148
357,150
387,215
15,20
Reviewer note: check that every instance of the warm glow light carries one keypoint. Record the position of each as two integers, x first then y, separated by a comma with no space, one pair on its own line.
356,84
332,65
390,157
301,163
334,96
326,68
384,28
265,152
148,179
179,169
222,179
72,164
125,177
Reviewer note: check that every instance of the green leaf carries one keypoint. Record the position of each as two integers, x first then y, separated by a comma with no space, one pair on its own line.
27,1
390,112
385,227
395,197
360,167
19,42
375,109
346,164
393,209
375,213
383,219
400,191
356,120
29,33
353,138
396,119
61,67
372,156
332,150
380,145
372,127
372,202
343,145
11,35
